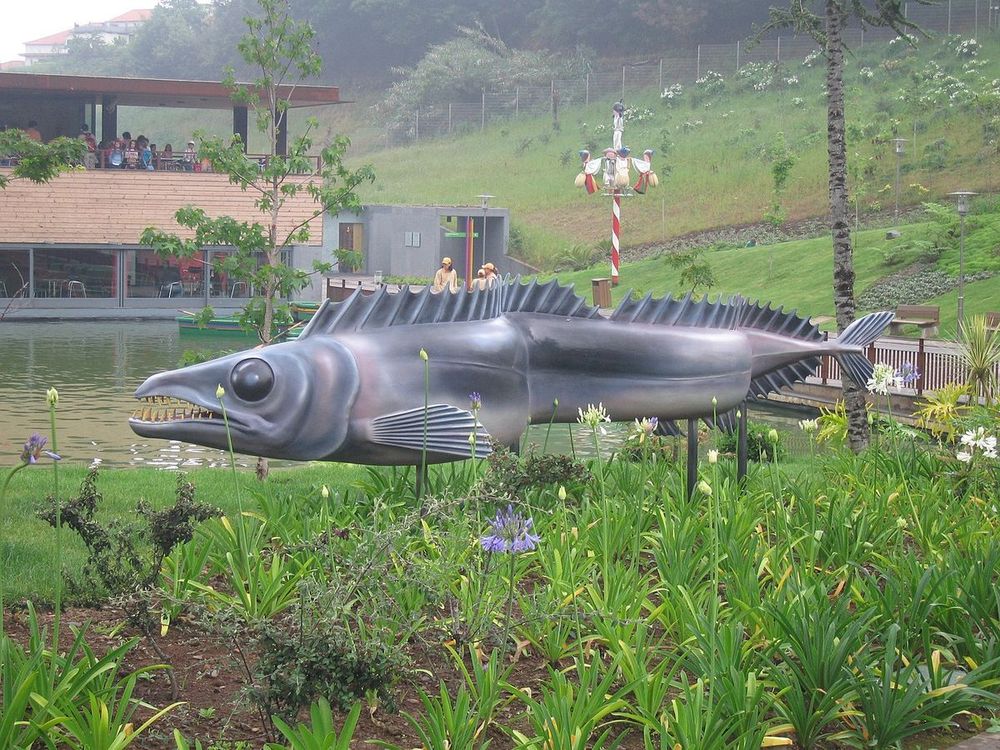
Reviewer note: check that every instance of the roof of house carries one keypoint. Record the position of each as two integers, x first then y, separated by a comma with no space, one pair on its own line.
152,92
134,15
60,38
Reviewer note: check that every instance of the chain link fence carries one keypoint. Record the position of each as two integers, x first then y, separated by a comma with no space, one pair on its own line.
609,82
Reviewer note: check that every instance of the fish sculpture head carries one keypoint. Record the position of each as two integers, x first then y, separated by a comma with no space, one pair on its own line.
289,401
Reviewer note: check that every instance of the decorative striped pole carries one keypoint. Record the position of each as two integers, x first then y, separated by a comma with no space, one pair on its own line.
616,230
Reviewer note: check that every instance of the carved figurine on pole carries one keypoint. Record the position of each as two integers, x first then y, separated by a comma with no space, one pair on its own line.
617,179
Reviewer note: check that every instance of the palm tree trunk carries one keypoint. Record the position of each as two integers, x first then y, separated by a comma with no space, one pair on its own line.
843,259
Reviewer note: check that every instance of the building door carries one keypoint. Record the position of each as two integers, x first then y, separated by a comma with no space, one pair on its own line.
352,237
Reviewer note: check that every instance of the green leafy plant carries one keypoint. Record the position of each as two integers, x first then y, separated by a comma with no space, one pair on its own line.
320,733
979,346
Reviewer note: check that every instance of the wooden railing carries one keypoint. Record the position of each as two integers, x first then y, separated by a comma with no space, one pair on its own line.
938,363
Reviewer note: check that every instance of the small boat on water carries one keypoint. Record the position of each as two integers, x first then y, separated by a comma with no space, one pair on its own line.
227,326
302,312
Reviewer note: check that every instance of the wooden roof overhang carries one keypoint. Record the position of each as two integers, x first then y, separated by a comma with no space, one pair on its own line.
152,92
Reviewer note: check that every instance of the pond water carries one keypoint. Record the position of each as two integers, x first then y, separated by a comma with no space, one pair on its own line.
96,366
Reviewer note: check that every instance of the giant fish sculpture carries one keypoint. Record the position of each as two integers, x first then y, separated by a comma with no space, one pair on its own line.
352,386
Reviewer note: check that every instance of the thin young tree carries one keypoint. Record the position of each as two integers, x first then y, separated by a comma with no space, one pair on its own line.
279,51
826,25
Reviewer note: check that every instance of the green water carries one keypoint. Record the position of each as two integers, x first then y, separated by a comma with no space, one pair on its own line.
96,366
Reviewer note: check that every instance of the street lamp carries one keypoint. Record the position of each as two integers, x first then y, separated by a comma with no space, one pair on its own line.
484,203
962,206
897,144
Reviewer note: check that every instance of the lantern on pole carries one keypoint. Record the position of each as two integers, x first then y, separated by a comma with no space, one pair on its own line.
616,168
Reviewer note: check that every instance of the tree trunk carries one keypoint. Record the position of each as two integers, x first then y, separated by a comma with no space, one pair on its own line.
843,259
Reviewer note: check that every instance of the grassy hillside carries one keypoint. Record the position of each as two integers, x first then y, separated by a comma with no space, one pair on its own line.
715,149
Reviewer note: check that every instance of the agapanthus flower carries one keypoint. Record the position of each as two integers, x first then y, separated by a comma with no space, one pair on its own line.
906,375
882,378
643,429
475,401
975,440
808,425
510,531
593,416
33,449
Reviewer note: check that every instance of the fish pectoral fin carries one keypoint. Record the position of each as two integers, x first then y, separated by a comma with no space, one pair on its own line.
668,427
441,428
725,422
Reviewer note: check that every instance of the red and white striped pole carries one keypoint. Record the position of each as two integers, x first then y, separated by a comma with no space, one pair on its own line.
616,231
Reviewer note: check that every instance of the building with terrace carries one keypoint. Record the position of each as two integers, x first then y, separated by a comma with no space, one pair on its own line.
110,31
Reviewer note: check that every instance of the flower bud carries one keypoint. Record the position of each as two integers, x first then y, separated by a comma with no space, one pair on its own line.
562,492
713,456
220,391
325,492
705,488
715,401
423,354
555,403
472,438
772,435
52,396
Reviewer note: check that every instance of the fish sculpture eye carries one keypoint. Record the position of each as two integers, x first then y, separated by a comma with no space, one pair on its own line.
252,379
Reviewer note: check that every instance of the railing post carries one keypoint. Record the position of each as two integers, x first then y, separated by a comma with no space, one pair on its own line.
949,17
697,74
482,125
737,55
661,73
449,118
416,129
921,367
778,56
517,101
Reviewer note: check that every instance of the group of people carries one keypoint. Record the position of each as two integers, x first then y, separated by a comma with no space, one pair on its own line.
446,277
127,152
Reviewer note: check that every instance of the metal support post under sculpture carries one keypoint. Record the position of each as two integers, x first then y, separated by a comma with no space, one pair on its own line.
692,457
741,442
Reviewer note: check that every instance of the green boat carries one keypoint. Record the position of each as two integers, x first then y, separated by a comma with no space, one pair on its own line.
302,312
227,326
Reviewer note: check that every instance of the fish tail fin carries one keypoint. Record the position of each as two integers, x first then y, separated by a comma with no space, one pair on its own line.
851,343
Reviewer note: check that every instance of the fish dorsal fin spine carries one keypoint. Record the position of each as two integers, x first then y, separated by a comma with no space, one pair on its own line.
385,309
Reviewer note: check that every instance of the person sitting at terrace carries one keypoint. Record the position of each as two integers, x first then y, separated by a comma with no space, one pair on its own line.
189,154
90,158
131,155
32,131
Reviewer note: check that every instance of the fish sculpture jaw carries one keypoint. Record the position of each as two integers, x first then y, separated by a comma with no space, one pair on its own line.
269,396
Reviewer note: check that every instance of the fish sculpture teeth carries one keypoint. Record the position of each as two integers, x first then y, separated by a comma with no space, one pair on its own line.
355,387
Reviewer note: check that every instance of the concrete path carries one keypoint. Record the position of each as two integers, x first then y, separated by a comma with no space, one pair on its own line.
984,741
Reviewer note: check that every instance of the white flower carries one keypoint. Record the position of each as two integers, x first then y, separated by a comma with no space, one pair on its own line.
713,456
963,457
882,378
593,416
808,425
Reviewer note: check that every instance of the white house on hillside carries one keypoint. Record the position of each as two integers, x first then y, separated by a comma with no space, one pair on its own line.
110,31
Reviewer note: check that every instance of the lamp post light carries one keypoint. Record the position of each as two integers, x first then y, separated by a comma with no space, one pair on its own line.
897,145
962,206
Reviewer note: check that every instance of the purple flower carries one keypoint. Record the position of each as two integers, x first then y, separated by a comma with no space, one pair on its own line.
907,374
510,532
476,401
34,447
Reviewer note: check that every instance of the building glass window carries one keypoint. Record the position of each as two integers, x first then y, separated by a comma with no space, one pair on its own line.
76,273
14,266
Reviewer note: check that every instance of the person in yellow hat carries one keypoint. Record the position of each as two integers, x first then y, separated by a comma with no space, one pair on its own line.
480,281
446,276
492,277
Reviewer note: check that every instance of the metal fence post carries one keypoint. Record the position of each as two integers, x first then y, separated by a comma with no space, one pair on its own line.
975,22
779,50
698,64
906,11
737,55
862,44
949,17
661,72
921,367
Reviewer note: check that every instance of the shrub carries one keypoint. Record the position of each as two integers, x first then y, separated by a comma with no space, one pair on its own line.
761,443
